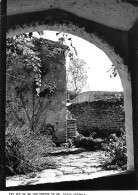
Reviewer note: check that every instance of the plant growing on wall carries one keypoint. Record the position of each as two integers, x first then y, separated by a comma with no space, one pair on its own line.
28,93
24,74
112,71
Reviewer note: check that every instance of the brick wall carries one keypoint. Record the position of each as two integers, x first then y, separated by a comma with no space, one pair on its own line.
103,116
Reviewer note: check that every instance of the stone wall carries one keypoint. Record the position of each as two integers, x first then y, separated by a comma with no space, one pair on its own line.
50,107
54,71
102,117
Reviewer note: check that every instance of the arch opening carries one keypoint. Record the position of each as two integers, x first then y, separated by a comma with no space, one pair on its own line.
116,60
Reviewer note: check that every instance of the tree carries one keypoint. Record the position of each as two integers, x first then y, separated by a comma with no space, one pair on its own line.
76,75
23,71
26,74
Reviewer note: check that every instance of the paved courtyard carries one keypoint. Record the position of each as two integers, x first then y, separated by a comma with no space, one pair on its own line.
85,165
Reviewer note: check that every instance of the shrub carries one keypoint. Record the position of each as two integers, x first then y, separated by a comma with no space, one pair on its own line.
88,143
115,148
24,151
15,161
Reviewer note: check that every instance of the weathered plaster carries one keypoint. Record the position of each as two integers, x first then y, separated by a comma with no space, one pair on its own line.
118,14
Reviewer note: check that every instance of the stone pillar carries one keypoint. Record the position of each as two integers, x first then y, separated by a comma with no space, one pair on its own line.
133,65
2,90
60,127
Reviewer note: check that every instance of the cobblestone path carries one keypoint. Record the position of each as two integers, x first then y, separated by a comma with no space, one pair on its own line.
85,165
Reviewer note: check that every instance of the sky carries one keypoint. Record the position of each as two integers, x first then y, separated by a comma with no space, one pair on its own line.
97,64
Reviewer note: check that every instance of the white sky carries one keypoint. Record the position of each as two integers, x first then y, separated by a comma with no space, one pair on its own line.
97,62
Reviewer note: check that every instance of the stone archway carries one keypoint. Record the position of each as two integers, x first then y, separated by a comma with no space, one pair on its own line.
67,26
115,22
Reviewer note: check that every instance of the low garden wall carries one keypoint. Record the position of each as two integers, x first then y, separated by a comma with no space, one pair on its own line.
102,117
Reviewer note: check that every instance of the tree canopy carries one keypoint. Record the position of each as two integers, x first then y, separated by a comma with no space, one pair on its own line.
76,72
76,75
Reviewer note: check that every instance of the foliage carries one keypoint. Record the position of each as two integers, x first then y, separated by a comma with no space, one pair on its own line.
23,63
64,39
113,71
115,148
88,143
28,92
24,151
13,157
25,77
76,73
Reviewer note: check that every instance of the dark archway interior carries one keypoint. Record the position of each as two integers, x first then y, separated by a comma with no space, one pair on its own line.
113,37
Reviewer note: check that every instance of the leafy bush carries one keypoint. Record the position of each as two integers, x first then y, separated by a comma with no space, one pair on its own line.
86,142
24,151
15,161
115,148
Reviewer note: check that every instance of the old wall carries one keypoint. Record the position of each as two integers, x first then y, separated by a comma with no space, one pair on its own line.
119,14
133,61
55,71
47,108
103,117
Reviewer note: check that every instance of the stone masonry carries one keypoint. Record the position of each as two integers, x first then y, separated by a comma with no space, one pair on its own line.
103,116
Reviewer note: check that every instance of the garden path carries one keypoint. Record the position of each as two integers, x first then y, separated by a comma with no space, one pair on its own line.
85,165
